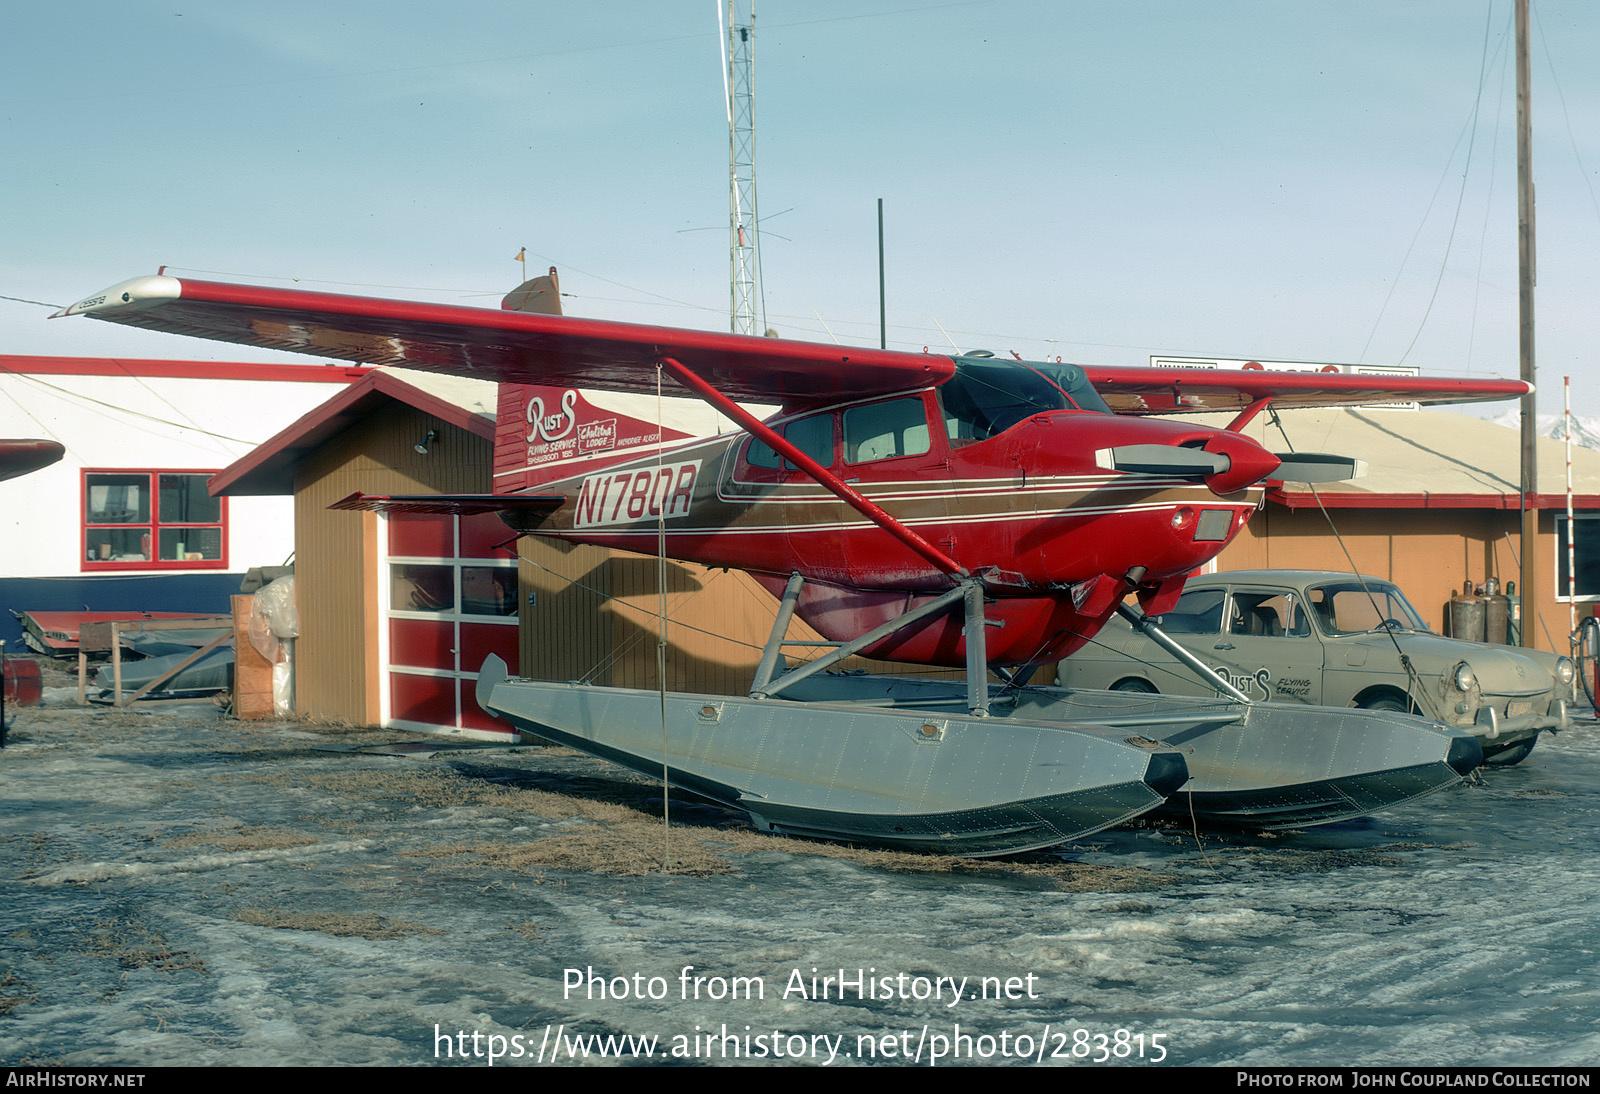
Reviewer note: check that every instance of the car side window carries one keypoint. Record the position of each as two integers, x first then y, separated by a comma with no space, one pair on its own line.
1198,611
1267,615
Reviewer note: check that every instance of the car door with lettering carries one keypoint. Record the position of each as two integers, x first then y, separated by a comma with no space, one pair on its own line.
1267,649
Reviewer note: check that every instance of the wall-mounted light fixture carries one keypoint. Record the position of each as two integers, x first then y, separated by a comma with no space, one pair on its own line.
421,447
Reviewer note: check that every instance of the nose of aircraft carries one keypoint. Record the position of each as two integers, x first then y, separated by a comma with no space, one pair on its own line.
1247,463
1225,462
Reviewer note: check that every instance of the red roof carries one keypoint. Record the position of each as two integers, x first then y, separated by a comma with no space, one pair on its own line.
269,469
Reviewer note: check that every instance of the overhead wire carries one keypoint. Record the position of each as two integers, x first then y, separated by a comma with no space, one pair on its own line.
35,418
1461,193
1414,686
124,410
1468,133
1566,118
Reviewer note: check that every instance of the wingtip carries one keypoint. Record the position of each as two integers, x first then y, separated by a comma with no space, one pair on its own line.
133,293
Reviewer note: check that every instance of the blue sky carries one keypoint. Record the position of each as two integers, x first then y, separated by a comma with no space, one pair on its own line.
1100,181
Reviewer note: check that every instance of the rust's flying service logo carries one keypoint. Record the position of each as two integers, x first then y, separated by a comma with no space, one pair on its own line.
550,428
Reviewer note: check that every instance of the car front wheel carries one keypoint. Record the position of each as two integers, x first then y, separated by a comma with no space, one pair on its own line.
1386,702
1141,686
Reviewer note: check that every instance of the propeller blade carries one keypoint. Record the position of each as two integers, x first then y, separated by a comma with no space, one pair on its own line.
1318,467
1162,459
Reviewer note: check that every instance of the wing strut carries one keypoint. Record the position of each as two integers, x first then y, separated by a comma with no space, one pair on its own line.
1244,416
825,478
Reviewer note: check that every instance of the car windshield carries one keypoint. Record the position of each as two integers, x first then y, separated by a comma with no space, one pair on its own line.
1350,607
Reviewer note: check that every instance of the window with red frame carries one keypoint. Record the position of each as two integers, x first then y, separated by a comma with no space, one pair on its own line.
153,520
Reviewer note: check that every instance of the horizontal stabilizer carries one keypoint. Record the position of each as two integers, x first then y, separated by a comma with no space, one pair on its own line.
460,505
1318,467
21,457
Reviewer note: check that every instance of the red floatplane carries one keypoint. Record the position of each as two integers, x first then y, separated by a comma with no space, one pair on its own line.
946,510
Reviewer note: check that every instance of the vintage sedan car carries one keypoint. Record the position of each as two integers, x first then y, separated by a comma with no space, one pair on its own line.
1330,639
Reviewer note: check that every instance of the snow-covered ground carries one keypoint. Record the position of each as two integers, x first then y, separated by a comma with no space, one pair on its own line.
180,889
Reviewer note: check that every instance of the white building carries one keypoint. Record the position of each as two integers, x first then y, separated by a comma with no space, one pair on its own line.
125,520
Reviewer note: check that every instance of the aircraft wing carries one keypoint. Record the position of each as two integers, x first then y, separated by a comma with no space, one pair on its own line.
1140,389
508,346
523,347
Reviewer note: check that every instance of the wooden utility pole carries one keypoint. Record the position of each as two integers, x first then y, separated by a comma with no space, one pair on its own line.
1528,580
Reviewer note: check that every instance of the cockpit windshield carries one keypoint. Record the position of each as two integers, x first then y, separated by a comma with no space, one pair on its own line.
986,396
1070,378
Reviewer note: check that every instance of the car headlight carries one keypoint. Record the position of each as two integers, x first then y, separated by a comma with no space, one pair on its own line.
1564,671
1464,678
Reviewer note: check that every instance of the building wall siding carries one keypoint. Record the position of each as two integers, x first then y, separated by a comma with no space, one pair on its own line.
594,613
336,552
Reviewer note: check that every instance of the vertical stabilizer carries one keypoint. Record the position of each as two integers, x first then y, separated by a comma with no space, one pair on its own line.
541,295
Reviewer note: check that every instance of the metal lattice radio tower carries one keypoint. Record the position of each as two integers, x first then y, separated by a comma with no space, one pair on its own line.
744,241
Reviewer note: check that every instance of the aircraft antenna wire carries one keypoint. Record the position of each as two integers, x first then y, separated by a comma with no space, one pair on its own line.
661,636
1414,688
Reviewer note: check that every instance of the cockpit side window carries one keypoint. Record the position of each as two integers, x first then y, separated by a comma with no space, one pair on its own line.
882,431
812,435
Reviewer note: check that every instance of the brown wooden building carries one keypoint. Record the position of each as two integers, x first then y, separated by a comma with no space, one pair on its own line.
397,613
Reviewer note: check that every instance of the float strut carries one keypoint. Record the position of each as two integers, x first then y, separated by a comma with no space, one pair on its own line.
977,645
1141,622
940,603
780,627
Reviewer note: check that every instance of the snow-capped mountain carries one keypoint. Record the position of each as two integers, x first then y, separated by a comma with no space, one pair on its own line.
1585,430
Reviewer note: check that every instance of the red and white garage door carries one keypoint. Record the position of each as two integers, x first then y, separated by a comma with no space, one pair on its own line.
450,601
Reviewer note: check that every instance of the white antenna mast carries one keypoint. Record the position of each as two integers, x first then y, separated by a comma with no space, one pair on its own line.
744,246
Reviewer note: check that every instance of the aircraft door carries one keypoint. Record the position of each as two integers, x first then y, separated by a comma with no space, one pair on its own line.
797,501
891,454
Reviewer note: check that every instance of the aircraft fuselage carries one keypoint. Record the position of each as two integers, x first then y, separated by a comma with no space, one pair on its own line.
1028,509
